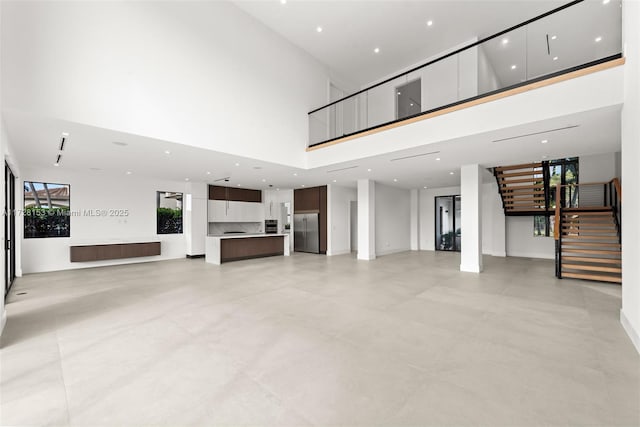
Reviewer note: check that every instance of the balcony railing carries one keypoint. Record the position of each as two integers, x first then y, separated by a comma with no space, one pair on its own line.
577,35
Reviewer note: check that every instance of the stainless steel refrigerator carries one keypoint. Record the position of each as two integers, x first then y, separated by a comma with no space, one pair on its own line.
306,233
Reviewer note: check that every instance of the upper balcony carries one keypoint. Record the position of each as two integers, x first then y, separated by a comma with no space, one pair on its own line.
579,37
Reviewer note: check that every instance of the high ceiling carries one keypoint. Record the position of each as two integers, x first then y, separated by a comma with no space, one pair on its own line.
351,30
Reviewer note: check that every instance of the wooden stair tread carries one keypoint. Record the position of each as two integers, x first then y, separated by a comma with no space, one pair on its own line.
519,180
523,173
590,251
597,277
600,244
524,187
520,166
592,268
587,209
587,237
593,260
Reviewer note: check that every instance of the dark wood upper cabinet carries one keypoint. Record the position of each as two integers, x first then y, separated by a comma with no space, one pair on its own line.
306,200
217,192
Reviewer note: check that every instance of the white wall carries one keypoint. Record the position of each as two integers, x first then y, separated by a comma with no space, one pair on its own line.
187,72
339,219
493,221
101,191
597,168
630,313
522,243
392,219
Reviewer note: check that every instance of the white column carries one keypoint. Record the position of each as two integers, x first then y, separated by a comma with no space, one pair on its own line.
471,199
366,219
414,223
630,312
194,211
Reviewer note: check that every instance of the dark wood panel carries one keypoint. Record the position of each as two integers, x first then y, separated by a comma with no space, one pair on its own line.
217,192
322,218
306,200
251,247
114,251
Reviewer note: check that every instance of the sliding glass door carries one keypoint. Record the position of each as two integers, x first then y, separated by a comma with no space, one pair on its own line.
447,215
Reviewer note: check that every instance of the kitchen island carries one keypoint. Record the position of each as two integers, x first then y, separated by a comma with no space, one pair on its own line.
234,247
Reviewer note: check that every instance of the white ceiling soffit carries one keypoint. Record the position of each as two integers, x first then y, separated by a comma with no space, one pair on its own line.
352,30
103,152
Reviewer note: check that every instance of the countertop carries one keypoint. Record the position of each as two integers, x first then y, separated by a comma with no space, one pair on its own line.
243,235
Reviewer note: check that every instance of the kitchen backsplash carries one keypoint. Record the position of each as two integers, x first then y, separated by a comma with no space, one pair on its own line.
216,228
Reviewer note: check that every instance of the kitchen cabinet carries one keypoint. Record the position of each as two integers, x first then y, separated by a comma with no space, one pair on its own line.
306,200
231,211
217,192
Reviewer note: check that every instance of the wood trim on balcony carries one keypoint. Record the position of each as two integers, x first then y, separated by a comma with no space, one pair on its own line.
515,91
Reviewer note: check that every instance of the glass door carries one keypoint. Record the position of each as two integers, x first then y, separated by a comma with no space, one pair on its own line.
447,215
9,229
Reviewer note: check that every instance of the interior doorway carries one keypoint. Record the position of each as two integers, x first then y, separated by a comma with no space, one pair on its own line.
447,225
9,228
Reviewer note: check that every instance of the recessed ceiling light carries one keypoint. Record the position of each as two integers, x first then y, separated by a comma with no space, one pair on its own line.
425,187
237,164
335,180
167,152
399,93
295,174
65,134
598,39
319,29
56,164
555,58
302,185
368,170
505,41
277,189
208,173
450,173
186,179
429,23
544,141
395,180
239,185
283,1
129,172
376,50
513,67
605,1
554,37
264,180
411,105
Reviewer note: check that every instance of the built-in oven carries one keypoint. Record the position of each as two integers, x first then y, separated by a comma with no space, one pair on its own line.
271,226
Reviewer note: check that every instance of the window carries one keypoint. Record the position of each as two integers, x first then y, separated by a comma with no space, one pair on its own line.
46,210
168,212
408,99
561,172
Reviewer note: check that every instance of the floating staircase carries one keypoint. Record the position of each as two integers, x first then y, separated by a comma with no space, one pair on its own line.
523,188
590,245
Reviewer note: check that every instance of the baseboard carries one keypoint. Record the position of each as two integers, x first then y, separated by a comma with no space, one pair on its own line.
632,333
3,321
392,251
531,255
195,256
